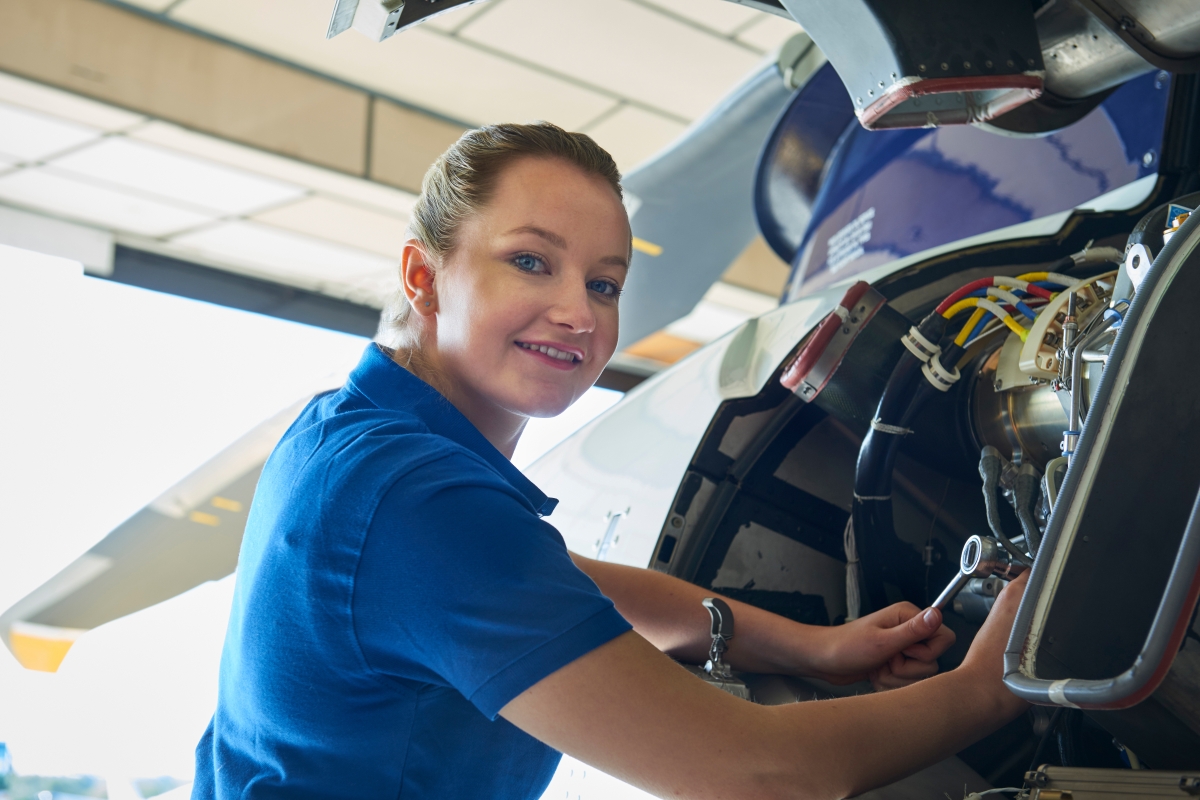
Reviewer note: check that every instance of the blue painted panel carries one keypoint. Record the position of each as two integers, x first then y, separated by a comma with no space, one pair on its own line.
889,194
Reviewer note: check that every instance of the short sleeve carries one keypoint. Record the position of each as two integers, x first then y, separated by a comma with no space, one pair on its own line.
460,583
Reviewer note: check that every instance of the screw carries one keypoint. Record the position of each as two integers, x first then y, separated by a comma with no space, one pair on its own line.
1148,158
676,521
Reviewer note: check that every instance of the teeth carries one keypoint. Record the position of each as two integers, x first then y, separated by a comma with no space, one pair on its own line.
550,351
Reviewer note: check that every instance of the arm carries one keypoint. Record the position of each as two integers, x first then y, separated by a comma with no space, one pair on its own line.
892,647
629,711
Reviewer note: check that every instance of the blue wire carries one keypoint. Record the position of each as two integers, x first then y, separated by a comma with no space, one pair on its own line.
1024,309
979,326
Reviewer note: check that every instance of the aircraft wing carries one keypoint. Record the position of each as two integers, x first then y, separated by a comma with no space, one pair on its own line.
692,209
190,534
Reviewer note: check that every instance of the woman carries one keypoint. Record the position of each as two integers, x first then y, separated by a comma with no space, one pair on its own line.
406,625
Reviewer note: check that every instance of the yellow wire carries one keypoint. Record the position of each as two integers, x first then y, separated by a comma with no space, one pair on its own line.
1033,276
961,305
1015,327
961,339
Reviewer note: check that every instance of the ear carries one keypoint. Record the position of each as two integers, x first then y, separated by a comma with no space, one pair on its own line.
417,278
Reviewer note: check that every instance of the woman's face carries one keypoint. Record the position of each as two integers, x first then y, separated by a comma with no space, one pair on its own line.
526,303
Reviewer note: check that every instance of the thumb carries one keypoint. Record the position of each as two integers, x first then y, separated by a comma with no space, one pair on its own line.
917,629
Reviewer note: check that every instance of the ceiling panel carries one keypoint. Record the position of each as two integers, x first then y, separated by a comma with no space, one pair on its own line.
290,257
627,48
632,135
341,222
173,176
422,65
29,135
42,189
57,103
321,180
769,32
721,16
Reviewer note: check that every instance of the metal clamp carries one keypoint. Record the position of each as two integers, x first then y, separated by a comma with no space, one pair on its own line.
722,633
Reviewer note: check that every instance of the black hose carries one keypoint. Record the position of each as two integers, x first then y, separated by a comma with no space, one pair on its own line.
1025,494
874,529
990,465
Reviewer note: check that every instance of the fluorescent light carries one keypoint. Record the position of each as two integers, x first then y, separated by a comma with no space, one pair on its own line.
325,181
172,176
64,105
29,136
289,257
41,189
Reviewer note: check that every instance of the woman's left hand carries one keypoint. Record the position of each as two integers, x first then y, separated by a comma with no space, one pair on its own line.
893,647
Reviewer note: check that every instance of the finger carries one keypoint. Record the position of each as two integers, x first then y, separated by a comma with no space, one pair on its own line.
914,670
934,646
916,629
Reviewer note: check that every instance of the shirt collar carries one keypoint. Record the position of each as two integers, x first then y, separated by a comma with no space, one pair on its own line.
389,385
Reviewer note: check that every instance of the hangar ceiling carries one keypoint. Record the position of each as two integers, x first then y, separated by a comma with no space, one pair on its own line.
232,133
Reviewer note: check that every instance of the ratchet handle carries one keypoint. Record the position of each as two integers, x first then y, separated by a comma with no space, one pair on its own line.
954,587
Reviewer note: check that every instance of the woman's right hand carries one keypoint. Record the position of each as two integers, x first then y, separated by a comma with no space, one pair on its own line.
986,656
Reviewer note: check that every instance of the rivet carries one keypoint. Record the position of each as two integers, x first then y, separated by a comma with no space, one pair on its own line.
1029,61
966,65
988,64
945,66
893,76
858,100
1010,62
921,67
870,92
881,84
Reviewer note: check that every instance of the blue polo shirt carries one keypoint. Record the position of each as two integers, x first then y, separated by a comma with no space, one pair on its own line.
396,588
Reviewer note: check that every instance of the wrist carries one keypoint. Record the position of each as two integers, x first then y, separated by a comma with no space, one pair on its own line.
985,682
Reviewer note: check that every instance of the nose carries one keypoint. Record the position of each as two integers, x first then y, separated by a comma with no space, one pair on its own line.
571,307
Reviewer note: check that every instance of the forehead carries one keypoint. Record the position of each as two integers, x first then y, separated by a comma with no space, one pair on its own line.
549,190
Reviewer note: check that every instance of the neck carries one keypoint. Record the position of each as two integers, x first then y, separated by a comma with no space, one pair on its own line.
500,427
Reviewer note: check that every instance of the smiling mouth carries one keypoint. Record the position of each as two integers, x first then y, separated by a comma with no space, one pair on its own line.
569,358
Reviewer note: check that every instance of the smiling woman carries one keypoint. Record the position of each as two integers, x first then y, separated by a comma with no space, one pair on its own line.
406,623
547,261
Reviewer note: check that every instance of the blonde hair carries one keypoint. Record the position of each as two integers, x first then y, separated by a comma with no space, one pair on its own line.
461,182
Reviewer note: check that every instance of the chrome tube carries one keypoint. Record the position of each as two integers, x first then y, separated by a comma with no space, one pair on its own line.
1071,436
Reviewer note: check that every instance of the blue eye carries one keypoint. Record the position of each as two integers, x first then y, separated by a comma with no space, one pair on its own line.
606,288
527,262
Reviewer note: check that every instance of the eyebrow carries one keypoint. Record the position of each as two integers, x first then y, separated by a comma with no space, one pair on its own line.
558,241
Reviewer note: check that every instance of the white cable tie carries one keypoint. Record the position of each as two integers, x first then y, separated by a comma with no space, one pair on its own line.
842,312
1004,295
941,378
1014,283
894,430
918,345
